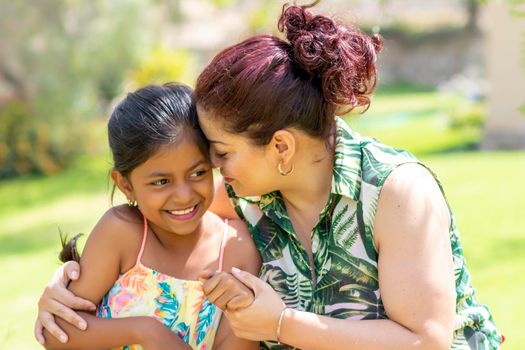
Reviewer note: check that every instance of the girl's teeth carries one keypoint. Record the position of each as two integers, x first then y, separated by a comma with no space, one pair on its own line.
182,212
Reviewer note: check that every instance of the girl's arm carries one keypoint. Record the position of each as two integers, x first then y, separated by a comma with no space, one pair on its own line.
103,333
111,249
415,276
226,291
225,339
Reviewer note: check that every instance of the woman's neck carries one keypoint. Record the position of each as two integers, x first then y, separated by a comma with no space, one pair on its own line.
307,189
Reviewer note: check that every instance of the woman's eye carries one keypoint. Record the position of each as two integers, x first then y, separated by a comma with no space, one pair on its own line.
220,155
160,182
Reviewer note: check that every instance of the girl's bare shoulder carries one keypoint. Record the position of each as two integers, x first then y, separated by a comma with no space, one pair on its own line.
120,228
240,248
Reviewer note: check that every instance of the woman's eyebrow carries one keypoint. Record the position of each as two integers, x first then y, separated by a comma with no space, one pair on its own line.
213,141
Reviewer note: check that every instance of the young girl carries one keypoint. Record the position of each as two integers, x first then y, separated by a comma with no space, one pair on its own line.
142,261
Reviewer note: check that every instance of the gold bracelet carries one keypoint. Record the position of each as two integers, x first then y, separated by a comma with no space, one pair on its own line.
279,325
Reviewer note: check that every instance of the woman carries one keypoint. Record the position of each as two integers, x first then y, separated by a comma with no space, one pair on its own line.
358,245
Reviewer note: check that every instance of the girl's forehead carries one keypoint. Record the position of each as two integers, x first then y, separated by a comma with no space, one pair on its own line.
178,155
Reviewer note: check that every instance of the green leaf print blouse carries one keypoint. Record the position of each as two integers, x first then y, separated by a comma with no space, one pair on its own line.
345,258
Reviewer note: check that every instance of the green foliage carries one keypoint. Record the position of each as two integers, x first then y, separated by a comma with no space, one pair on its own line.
164,65
71,64
29,145
263,17
464,114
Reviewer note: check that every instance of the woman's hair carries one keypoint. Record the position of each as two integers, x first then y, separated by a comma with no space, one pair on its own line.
264,83
144,121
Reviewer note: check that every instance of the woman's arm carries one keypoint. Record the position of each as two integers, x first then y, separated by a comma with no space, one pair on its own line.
58,300
415,277
103,333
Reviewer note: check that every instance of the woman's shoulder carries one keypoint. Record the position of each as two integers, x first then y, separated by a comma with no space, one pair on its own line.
411,193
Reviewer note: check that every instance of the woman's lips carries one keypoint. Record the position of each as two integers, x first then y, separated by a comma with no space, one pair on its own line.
228,179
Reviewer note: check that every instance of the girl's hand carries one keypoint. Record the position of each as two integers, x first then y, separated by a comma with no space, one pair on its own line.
259,320
58,300
225,291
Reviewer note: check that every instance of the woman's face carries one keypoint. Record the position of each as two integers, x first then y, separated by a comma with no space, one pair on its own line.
250,170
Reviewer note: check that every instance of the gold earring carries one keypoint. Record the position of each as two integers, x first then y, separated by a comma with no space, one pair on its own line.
133,203
284,173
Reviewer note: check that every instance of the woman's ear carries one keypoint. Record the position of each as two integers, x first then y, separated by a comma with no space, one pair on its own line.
284,145
123,184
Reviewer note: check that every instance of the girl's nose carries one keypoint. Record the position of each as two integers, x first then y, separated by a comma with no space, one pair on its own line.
182,194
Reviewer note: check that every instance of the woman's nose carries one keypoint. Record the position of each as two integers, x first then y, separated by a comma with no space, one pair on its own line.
216,162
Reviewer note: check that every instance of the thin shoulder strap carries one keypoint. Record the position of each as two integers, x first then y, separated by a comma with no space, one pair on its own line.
223,243
144,236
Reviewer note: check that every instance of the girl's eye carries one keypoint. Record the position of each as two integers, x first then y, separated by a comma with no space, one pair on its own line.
198,173
220,155
160,182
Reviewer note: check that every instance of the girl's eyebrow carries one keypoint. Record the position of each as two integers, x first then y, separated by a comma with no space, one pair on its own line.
162,174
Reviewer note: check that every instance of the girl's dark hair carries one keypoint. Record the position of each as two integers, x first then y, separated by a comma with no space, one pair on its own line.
69,248
264,83
144,121
149,118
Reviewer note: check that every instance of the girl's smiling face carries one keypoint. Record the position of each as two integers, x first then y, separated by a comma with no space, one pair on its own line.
173,187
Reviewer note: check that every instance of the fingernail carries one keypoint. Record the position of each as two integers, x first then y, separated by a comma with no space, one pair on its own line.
74,274
82,325
235,270
63,339
93,308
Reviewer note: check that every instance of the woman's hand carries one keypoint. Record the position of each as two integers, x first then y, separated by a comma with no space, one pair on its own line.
58,300
225,291
259,320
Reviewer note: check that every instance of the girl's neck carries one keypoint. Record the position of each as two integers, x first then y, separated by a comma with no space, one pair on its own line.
184,256
175,242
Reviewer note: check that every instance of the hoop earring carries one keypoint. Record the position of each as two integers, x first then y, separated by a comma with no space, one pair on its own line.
133,203
284,173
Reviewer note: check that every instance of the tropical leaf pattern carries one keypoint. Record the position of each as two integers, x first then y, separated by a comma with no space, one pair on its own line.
344,254
178,304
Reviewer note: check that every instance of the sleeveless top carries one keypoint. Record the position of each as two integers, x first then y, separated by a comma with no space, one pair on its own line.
178,304
343,248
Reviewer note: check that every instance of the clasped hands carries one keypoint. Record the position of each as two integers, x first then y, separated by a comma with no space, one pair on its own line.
225,291
251,305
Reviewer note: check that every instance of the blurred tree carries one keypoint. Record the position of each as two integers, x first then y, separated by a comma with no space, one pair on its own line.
472,7
164,65
62,62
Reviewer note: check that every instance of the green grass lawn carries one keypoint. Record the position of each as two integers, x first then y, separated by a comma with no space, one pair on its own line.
485,190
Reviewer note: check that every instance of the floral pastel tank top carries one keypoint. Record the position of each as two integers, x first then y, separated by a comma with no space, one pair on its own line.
179,304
